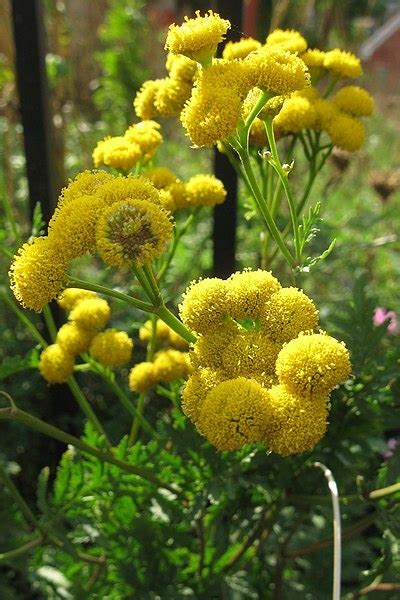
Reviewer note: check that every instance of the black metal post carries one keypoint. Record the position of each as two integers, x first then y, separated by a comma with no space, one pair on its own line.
225,215
28,30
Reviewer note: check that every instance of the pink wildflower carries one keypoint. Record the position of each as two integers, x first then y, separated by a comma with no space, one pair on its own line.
381,315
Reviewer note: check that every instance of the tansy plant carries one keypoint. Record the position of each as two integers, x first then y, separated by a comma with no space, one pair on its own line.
259,369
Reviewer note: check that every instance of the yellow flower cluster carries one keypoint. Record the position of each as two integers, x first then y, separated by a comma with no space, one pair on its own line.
87,313
337,117
260,373
212,101
164,335
166,97
139,143
122,218
168,365
199,190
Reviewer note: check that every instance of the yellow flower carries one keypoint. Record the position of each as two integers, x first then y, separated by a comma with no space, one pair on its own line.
240,49
181,67
142,377
128,188
211,115
197,38
312,365
161,333
209,348
294,423
195,391
297,113
342,64
73,226
288,312
86,183
251,353
313,58
277,72
178,195
234,413
326,111
177,341
205,190
132,231
346,132
287,39
270,108
355,101
204,305
38,273
160,177
112,348
90,313
71,296
167,200
172,364
144,101
236,75
171,96
117,152
56,364
248,291
147,136
73,338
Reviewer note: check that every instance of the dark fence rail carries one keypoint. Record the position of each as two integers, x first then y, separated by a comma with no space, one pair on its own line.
36,119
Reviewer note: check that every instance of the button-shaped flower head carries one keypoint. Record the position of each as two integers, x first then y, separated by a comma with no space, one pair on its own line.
197,38
132,231
312,365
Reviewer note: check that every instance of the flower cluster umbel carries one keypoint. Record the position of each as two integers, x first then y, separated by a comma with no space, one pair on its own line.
214,97
261,374
87,314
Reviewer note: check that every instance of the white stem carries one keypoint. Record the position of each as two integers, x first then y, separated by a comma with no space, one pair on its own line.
337,534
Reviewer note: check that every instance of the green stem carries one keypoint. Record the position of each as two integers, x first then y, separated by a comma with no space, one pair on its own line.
337,530
151,346
101,289
330,86
18,499
257,108
15,414
172,321
141,277
178,234
126,403
260,201
87,409
283,176
313,175
390,489
27,547
149,274
136,423
50,324
24,319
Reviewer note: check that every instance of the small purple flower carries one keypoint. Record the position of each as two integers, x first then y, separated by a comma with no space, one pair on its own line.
391,445
381,315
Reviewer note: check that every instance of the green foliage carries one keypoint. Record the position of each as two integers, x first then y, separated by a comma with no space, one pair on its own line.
121,61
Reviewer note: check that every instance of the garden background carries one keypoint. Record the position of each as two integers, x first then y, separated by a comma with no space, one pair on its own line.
97,56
